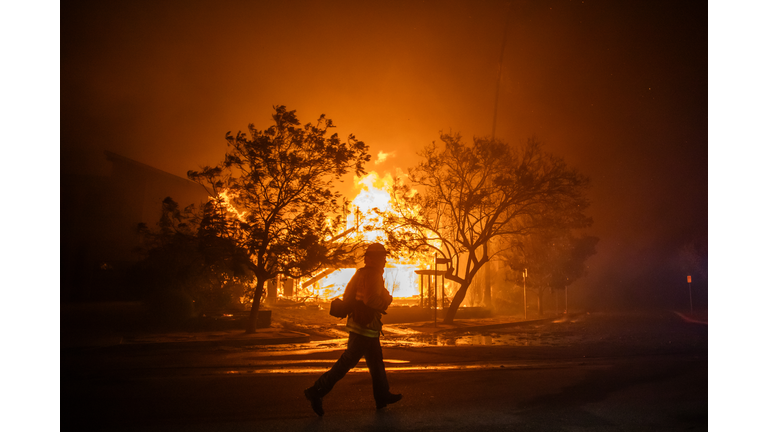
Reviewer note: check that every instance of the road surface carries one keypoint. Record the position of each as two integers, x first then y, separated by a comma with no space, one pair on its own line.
605,372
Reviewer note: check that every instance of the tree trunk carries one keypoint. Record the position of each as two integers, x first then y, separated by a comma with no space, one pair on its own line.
455,303
252,318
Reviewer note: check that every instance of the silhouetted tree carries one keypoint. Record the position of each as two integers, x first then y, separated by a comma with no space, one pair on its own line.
274,196
181,257
554,259
462,196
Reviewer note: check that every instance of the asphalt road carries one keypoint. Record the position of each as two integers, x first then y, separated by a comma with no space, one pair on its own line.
638,372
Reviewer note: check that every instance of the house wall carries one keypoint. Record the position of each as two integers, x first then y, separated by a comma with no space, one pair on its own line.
100,214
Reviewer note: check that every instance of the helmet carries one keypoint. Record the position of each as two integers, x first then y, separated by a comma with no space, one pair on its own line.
375,248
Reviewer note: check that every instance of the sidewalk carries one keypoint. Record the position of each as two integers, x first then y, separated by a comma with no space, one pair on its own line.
270,336
124,324
277,335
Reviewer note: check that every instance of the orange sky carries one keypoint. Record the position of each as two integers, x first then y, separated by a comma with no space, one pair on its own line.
618,89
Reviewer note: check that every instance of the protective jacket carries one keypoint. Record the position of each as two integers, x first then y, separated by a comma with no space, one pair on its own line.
367,286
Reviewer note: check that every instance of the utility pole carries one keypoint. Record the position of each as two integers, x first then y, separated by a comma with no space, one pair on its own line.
498,77
525,300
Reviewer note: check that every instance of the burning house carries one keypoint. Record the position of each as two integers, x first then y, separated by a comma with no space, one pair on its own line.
412,282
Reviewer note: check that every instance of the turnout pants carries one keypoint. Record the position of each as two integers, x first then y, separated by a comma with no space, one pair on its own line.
357,347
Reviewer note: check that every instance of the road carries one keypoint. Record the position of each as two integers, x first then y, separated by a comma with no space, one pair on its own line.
600,373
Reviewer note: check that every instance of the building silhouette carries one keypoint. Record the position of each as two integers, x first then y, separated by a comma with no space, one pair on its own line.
103,199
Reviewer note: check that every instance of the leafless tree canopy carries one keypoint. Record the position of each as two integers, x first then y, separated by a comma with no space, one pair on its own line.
461,197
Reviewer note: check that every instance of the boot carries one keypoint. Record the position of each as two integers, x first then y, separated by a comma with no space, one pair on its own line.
387,400
315,399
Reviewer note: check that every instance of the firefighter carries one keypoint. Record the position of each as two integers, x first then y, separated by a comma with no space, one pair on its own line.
366,290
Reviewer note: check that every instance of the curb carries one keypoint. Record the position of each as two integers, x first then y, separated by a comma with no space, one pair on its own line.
690,320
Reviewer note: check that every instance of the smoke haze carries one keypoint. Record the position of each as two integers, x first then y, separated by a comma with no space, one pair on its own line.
618,89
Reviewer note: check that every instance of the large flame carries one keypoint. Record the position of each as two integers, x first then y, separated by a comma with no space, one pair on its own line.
373,197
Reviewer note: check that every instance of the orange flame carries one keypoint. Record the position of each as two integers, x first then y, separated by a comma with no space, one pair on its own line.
374,194
226,199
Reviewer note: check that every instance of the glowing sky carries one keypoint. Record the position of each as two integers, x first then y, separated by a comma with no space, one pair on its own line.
617,88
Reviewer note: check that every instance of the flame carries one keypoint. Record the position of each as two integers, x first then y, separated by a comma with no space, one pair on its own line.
399,279
399,276
226,199
373,195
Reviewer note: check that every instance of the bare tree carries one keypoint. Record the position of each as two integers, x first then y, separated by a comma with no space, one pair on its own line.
554,259
274,191
463,196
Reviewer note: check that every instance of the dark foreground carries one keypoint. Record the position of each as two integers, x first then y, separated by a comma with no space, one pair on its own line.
605,372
